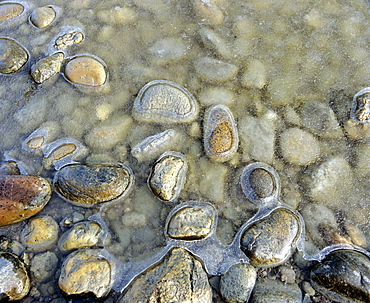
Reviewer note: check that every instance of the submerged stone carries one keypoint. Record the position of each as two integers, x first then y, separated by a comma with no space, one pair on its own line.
271,240
12,56
22,196
361,106
90,184
10,10
43,16
220,134
343,275
179,278
168,176
164,101
86,70
47,67
14,280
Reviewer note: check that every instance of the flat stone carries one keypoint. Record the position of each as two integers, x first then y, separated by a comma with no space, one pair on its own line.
42,17
191,223
221,139
342,276
271,240
168,176
82,234
237,283
21,197
14,281
47,67
90,184
40,234
164,101
86,70
85,271
44,266
179,278
10,10
213,70
299,147
12,56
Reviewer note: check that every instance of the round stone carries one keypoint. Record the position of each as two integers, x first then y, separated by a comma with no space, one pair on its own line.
85,271
10,10
40,233
90,184
262,182
12,56
220,134
86,70
43,16
164,101
14,281
44,266
21,197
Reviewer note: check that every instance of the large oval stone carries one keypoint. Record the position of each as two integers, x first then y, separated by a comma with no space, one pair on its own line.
21,197
90,184
12,56
10,10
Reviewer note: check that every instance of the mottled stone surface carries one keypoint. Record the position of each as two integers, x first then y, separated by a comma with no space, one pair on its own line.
191,223
40,233
343,275
271,240
14,281
21,197
10,10
85,271
44,266
237,283
361,106
180,278
89,184
47,67
43,16
12,56
68,39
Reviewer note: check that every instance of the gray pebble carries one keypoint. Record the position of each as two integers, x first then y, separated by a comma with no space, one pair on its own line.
213,70
43,266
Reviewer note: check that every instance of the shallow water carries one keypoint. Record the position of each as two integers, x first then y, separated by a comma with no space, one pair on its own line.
308,51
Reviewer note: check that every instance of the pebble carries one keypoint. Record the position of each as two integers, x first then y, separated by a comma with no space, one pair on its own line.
299,147
342,276
191,222
68,37
117,15
221,138
109,133
237,283
257,139
43,266
40,234
86,70
10,10
255,75
361,106
42,17
214,43
213,70
90,184
12,56
167,51
208,12
164,101
216,95
271,240
9,168
85,271
168,176
82,234
179,278
47,67
362,163
14,281
21,197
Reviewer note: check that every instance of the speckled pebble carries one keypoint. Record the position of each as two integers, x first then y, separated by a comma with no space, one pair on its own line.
12,56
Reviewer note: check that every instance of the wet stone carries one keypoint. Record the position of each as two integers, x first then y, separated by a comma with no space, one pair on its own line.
82,234
85,271
262,182
86,70
47,67
208,11
9,168
43,16
213,70
163,101
237,283
10,10
191,223
22,197
168,176
214,43
40,234
361,106
14,281
343,275
68,39
90,184
43,266
220,134
12,56
58,153
271,240
179,278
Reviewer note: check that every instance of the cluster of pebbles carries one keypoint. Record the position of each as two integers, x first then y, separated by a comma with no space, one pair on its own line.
225,179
